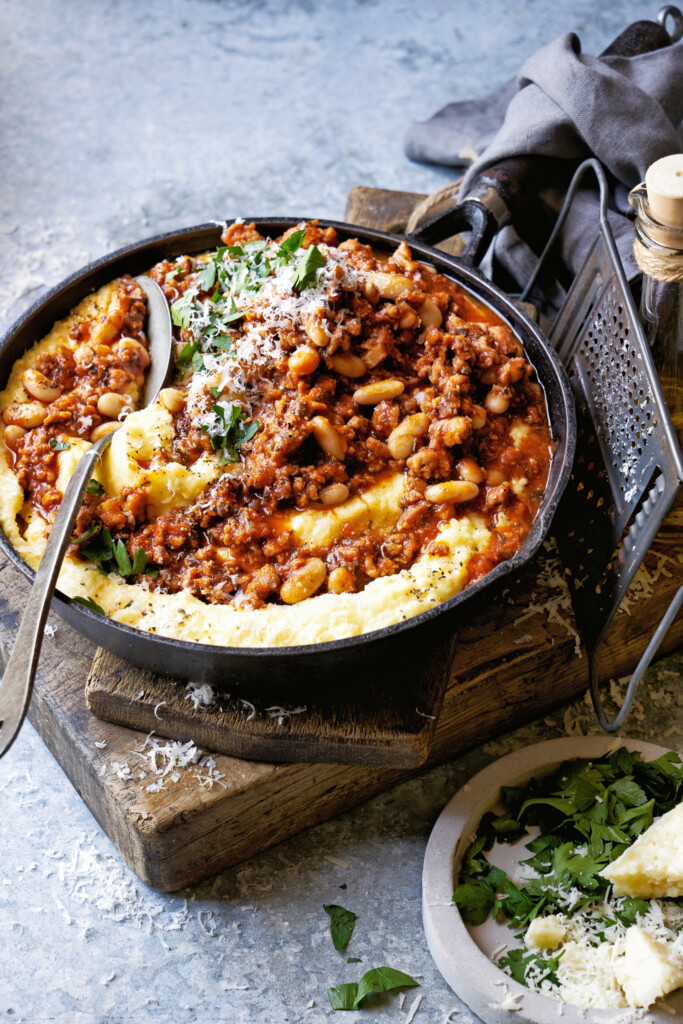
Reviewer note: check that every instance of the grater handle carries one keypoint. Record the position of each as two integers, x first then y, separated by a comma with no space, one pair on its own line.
652,648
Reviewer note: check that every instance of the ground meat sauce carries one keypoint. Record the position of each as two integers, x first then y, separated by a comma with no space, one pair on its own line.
331,369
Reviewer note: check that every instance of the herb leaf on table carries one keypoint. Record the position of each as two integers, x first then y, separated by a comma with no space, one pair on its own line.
342,923
380,979
343,997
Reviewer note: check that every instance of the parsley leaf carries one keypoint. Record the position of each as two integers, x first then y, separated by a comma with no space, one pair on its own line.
181,310
112,556
382,979
306,270
207,277
88,602
517,962
475,901
291,244
90,532
343,997
588,813
188,351
95,487
342,923
227,432
59,446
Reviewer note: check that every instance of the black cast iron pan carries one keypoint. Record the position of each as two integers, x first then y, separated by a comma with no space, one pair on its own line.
391,656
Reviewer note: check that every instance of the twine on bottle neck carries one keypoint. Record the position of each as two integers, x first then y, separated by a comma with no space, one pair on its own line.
661,264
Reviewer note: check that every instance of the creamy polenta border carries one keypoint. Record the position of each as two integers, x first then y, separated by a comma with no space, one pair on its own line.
383,602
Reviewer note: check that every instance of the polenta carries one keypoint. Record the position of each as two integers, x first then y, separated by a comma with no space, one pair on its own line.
350,440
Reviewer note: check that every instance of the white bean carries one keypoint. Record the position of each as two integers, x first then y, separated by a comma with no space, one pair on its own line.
305,360
316,333
430,314
495,477
348,365
25,414
469,470
497,402
390,286
401,440
334,494
112,404
304,581
341,581
104,331
478,417
104,428
38,386
452,492
409,319
172,399
130,349
328,438
381,390
13,435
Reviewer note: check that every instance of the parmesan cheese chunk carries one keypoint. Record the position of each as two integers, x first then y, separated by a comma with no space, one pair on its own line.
545,933
648,969
653,866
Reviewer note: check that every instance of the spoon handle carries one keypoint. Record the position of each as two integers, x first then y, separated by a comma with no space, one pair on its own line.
17,680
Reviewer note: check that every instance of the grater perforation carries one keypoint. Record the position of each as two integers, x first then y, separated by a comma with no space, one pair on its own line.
628,467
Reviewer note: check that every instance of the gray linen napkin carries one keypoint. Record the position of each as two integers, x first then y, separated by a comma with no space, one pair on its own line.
626,111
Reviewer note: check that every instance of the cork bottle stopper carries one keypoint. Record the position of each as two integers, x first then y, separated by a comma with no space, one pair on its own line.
664,183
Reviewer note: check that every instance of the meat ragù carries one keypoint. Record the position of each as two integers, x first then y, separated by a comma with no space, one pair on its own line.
351,437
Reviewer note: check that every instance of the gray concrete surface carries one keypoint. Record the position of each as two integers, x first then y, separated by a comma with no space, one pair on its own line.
119,120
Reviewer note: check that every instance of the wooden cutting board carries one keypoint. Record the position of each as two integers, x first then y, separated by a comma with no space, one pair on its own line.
514,662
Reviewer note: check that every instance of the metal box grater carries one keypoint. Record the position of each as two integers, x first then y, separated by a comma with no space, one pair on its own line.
628,467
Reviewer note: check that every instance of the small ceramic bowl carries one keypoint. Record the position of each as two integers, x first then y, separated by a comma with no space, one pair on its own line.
464,955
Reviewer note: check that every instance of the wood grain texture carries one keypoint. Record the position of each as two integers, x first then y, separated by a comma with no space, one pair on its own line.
515,661
381,727
380,208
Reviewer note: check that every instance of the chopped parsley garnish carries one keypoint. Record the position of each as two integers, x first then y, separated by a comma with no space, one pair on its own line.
211,320
380,979
516,963
182,308
342,923
188,352
90,532
112,556
588,813
227,431
95,487
59,446
306,270
88,602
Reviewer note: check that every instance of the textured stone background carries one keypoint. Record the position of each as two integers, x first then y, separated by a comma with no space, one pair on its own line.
119,120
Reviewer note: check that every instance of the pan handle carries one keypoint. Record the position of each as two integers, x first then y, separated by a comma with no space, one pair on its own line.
508,192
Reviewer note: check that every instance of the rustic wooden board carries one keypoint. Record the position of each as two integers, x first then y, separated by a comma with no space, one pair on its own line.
514,662
381,727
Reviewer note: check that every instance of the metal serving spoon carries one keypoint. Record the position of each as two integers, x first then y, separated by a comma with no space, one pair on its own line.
17,681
